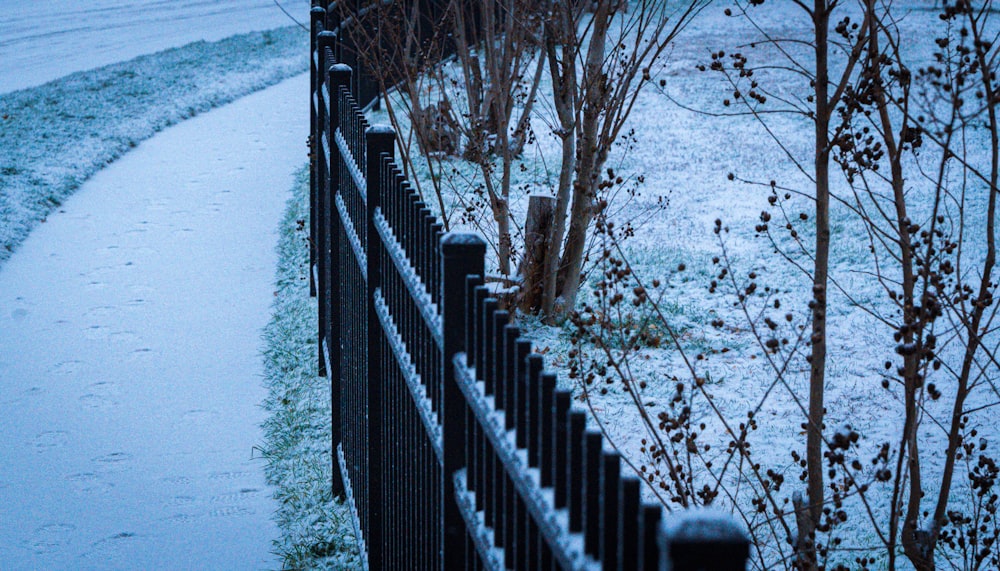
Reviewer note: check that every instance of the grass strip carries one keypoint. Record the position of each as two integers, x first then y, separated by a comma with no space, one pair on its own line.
316,531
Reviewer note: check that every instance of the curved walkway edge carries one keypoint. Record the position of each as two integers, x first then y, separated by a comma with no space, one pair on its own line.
130,352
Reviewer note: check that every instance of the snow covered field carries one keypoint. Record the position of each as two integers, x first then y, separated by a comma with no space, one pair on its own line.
685,144
42,41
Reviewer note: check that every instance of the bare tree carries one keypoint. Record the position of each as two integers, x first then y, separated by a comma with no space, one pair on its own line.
827,93
398,45
496,43
597,71
928,267
477,103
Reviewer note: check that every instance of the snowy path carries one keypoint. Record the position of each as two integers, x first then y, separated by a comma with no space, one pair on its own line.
129,352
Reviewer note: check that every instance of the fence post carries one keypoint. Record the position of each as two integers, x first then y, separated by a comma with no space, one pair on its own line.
321,205
317,15
462,255
379,140
696,539
610,510
338,76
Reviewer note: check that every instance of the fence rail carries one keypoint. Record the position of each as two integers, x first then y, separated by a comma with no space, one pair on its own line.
453,443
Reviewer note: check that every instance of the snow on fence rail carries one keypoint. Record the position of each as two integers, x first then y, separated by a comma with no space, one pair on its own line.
452,442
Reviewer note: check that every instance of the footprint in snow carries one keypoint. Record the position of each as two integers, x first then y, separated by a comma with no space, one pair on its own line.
142,251
182,518
26,394
50,439
180,501
123,337
140,354
113,461
229,475
100,395
96,332
50,538
70,367
231,511
244,494
196,417
102,311
157,205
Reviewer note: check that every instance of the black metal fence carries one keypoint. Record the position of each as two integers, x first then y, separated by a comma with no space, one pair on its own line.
453,444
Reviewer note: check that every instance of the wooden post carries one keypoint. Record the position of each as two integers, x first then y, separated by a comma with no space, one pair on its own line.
537,226
379,140
631,497
593,452
462,255
649,548
575,469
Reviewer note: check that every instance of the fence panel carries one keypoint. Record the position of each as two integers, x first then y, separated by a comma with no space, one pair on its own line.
452,443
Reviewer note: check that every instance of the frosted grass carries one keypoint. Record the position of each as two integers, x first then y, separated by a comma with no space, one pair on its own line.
316,530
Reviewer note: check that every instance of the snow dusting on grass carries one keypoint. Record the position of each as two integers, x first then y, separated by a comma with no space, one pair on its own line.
55,136
316,530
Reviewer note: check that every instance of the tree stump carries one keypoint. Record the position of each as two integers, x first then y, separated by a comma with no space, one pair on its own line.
537,227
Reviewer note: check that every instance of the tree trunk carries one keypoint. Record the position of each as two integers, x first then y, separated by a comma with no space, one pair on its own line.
806,547
560,32
501,215
521,130
588,165
972,328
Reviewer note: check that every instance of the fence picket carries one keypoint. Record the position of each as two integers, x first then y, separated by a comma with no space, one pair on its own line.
462,255
630,541
610,511
330,343
317,16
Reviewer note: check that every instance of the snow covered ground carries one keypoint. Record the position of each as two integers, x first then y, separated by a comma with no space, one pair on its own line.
684,146
129,349
42,41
